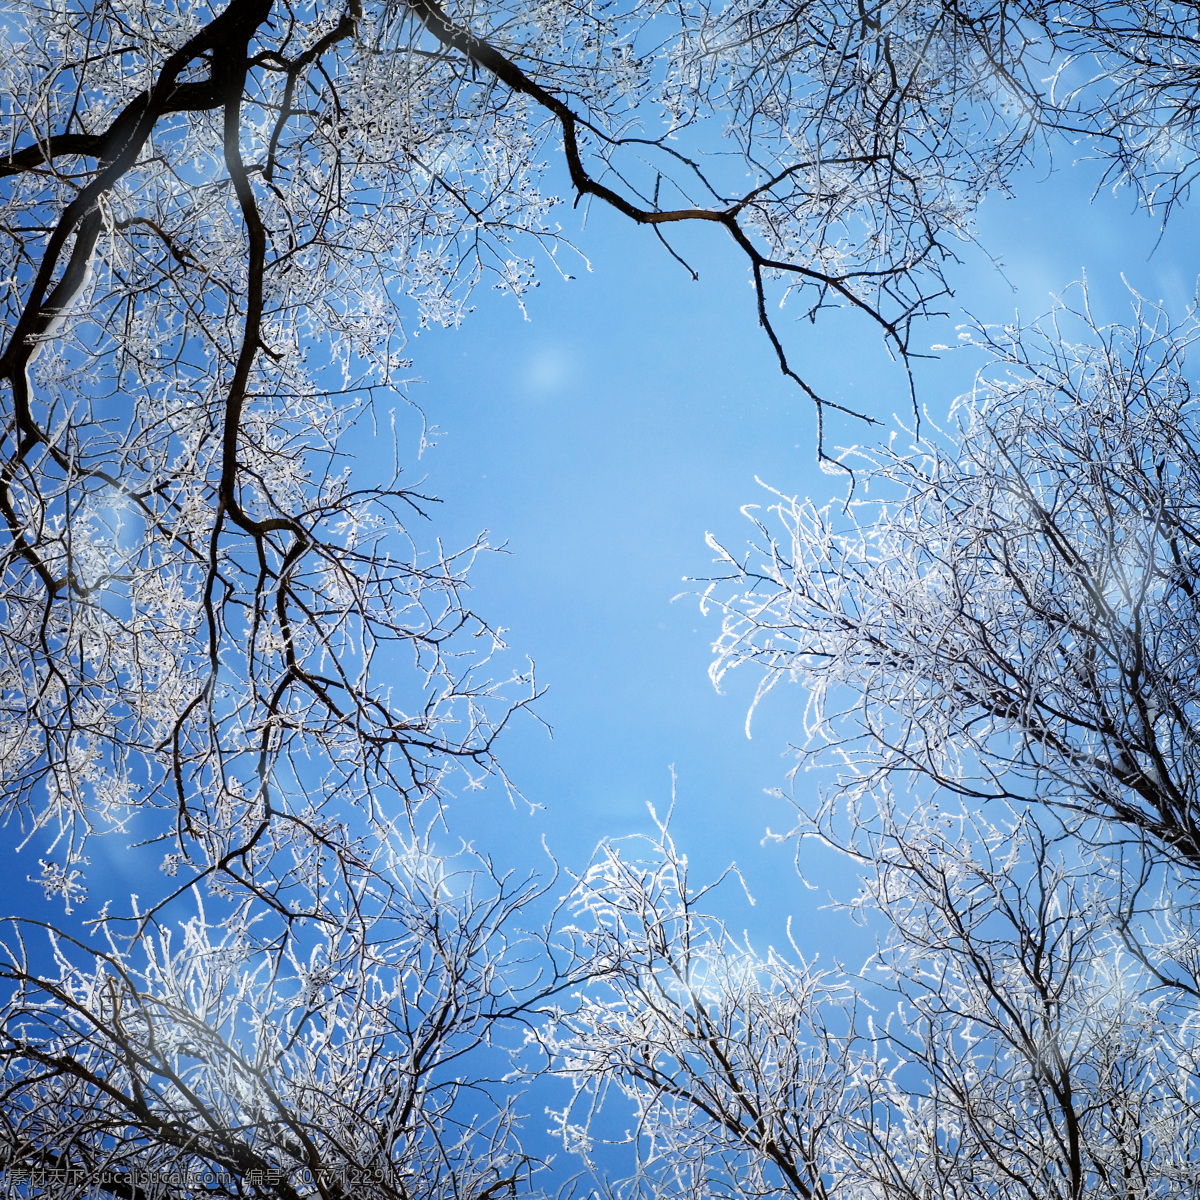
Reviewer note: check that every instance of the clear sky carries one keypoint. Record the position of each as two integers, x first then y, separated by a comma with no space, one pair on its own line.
602,437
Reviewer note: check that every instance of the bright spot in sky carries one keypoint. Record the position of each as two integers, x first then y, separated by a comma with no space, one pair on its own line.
549,369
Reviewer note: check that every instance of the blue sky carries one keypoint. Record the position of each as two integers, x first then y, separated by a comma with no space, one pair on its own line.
602,437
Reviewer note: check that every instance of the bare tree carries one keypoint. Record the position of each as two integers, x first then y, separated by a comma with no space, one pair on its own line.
1026,1029
1127,75
218,646
361,1053
723,1073
1011,613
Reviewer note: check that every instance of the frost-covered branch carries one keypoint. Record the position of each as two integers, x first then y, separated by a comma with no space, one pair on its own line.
1012,613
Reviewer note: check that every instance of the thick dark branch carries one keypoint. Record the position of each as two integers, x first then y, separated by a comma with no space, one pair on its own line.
83,145
118,151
